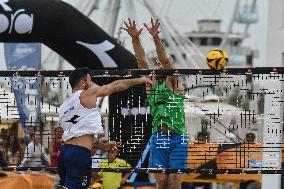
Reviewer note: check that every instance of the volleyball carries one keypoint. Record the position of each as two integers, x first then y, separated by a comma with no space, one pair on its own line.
217,59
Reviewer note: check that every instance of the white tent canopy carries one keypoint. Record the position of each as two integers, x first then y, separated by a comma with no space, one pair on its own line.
230,117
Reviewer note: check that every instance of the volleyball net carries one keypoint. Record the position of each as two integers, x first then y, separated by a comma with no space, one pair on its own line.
234,119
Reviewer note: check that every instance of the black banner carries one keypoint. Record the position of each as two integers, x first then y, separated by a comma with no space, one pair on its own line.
65,30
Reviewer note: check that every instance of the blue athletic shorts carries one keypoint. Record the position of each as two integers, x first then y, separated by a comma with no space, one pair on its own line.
74,167
168,150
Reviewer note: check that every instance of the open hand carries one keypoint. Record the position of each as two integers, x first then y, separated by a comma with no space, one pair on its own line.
123,181
146,80
131,28
154,29
113,145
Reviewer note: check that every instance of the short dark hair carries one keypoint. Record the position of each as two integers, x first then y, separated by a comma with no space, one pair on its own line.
251,135
201,134
77,75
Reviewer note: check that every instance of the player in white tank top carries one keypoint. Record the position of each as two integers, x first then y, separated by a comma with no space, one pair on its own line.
78,120
81,120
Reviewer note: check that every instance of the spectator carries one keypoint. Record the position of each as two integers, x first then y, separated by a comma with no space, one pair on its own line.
54,146
35,155
250,137
98,156
113,180
254,185
32,131
2,153
201,137
14,153
2,158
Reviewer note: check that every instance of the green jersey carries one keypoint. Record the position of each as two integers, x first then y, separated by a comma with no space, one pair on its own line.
167,108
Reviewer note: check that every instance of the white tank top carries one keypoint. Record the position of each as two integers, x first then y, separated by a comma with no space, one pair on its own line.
78,121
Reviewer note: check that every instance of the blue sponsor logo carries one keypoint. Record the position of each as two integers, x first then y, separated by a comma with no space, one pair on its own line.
69,110
253,163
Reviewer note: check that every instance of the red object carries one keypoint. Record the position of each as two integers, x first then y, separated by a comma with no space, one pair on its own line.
54,160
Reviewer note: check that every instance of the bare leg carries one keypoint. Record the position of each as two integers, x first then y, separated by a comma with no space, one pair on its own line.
162,180
175,181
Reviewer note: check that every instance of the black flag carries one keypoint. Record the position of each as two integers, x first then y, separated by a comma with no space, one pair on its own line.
65,30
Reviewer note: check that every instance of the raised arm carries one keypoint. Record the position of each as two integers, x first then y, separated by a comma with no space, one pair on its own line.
161,52
132,30
118,86
174,82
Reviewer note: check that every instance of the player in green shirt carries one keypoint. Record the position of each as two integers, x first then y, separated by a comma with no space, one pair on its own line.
169,140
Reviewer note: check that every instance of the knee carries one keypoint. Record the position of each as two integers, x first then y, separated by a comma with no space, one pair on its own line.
161,178
175,180
175,177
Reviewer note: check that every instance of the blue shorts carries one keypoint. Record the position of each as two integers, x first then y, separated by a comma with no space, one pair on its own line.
74,167
168,150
